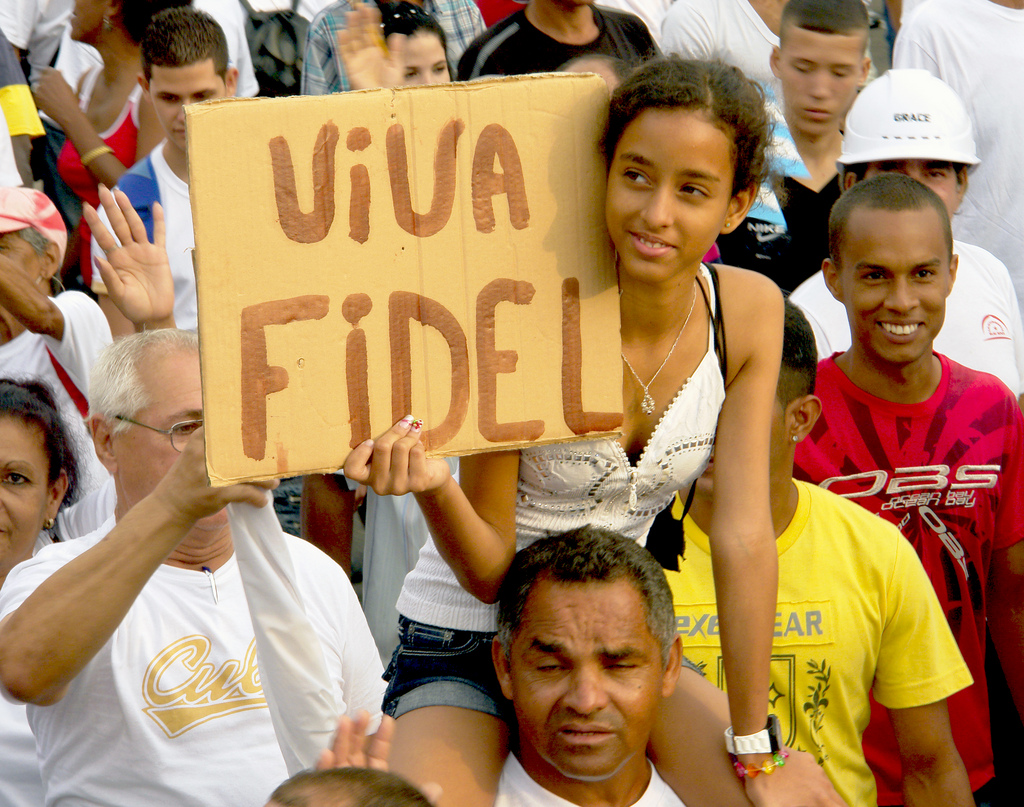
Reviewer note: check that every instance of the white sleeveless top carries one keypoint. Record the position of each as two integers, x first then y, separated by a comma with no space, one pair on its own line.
568,485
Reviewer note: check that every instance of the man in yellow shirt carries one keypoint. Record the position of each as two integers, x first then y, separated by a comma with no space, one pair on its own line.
856,615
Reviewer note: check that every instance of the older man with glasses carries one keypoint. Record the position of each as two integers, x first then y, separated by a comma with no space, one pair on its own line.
134,646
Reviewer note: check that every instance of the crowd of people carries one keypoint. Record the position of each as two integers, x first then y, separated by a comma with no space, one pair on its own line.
816,495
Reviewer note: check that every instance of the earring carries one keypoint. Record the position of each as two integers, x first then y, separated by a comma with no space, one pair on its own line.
48,524
796,438
107,25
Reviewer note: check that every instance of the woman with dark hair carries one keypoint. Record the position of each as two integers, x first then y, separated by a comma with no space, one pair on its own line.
107,126
38,476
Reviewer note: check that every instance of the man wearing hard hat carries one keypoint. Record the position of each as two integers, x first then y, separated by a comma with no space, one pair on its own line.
911,122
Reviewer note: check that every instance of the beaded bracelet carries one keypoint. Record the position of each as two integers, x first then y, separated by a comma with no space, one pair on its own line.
778,760
92,154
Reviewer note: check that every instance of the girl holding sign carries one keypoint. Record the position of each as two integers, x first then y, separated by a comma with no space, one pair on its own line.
686,152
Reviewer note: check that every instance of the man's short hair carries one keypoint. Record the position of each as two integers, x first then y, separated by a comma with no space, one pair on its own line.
889,191
179,37
844,17
799,357
587,555
347,787
115,387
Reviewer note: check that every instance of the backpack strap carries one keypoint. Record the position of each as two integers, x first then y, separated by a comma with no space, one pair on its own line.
142,189
81,404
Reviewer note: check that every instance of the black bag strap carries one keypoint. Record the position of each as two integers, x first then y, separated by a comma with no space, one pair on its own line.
717,320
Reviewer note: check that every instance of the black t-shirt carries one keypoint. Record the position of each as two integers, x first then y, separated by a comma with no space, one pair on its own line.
806,215
514,46
787,254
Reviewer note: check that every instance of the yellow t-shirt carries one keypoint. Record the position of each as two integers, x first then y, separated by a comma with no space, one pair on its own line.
856,611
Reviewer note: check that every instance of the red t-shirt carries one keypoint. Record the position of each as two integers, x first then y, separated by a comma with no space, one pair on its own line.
947,472
123,138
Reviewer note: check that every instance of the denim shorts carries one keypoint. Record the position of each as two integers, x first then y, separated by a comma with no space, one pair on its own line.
435,666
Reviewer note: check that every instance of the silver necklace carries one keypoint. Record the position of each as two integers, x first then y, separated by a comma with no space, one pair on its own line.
647,404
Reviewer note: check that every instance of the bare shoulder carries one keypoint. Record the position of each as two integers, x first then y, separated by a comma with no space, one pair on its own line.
752,309
743,289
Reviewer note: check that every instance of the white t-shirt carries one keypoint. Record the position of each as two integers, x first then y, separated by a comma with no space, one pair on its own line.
307,8
729,30
35,26
180,239
21,783
231,17
652,12
171,711
9,176
983,324
86,333
908,7
517,789
975,46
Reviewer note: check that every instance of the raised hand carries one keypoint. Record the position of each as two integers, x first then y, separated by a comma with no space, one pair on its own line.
137,273
396,462
368,61
352,748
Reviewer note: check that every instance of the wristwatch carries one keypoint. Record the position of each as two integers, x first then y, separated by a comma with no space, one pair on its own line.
766,741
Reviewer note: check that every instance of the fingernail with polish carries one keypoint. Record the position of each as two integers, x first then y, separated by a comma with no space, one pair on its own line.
406,421
417,425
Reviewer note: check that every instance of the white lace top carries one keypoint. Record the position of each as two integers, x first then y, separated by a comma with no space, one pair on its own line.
568,485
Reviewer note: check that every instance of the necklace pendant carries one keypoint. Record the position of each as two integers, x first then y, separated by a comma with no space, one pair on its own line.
647,404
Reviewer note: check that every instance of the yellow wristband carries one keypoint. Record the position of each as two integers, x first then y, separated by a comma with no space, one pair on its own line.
92,154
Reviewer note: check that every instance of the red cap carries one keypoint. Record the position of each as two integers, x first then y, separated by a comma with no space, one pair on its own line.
25,207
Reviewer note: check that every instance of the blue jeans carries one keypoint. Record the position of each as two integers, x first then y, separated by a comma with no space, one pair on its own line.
435,666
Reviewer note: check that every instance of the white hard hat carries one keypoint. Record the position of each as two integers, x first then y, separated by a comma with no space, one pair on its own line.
908,115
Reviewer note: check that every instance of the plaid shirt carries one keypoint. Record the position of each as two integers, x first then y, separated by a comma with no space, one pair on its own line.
322,71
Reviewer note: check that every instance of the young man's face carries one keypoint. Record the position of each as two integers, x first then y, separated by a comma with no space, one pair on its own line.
174,88
820,74
894,275
941,176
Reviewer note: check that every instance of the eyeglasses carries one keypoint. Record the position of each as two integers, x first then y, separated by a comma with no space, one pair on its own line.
179,432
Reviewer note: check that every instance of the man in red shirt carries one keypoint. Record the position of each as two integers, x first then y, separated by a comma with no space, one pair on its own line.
933,447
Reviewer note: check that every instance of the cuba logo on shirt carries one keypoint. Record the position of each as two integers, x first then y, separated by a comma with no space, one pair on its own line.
182,689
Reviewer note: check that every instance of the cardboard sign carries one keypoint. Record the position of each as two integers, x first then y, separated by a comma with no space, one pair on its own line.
435,251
